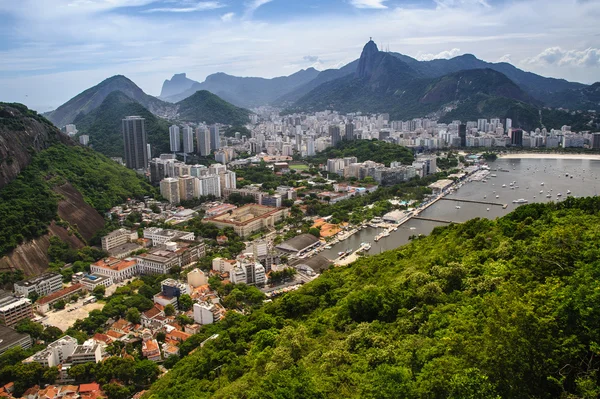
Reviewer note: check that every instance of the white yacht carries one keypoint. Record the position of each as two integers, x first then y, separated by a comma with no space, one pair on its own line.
457,206
542,184
568,192
520,201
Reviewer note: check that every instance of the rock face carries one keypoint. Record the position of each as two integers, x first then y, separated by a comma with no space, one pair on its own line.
368,60
16,150
178,84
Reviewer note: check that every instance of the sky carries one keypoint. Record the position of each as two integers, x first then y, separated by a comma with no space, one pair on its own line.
51,50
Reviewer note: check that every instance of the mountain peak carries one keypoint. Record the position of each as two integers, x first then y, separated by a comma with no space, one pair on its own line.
367,60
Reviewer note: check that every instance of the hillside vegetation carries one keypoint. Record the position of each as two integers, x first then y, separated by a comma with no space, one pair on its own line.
203,106
366,150
28,204
486,309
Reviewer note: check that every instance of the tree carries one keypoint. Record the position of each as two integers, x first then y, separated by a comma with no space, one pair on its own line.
146,372
169,310
51,334
59,304
315,232
116,391
133,316
99,291
30,327
185,302
50,375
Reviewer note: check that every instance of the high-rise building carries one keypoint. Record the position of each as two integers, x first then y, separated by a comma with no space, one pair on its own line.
462,133
174,138
188,140
286,150
215,138
186,188
482,124
310,146
516,137
14,309
349,131
169,189
134,138
596,140
334,132
84,139
209,185
508,124
203,137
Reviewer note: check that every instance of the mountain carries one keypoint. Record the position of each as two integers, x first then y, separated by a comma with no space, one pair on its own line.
585,98
248,91
91,98
178,84
323,77
62,189
204,106
482,309
537,86
385,83
103,125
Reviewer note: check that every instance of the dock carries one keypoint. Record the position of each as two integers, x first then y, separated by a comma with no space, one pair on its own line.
474,201
434,220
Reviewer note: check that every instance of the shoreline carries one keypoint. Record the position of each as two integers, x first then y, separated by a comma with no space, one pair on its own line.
591,157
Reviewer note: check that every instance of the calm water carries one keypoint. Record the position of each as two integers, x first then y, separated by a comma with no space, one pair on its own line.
528,174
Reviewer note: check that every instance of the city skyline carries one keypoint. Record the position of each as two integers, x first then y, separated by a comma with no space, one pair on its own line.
58,55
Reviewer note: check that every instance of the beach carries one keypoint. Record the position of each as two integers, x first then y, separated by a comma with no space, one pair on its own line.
595,157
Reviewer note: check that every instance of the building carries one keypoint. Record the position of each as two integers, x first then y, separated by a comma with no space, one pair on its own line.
170,292
274,200
249,219
89,352
11,339
516,137
56,353
215,138
14,309
204,313
188,140
174,138
224,265
440,185
395,216
203,138
118,238
117,269
134,138
84,139
196,278
44,304
430,164
252,273
169,189
298,244
91,281
42,285
462,134
334,133
349,131
209,185
180,253
187,188
160,236
596,141
151,350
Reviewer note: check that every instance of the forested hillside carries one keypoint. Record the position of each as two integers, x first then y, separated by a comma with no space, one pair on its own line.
366,150
486,309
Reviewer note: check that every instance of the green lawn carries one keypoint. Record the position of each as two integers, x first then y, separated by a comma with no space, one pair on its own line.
299,167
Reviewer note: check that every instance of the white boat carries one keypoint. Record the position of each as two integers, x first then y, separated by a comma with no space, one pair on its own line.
568,192
512,183
413,228
504,185
520,201
534,196
457,207
559,195
493,175
541,191
485,196
497,196
548,196
542,184
488,209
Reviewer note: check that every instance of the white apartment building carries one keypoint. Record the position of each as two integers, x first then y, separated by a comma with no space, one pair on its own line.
187,188
56,353
118,238
160,236
203,313
116,269
188,140
169,189
14,309
42,285
224,265
209,185
174,138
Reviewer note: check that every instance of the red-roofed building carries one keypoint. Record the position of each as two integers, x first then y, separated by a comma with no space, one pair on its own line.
151,350
115,268
44,304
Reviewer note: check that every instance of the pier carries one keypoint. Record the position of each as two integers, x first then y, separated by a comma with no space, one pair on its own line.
434,220
474,201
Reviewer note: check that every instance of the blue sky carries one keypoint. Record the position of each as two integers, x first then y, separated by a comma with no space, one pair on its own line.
50,50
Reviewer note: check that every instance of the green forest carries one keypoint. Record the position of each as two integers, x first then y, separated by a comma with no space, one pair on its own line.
203,106
504,308
366,150
28,204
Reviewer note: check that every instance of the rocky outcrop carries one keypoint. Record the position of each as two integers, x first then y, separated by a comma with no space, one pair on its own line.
34,135
32,256
77,212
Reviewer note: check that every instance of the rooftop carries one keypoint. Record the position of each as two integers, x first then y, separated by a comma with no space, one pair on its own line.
59,294
38,279
298,243
8,337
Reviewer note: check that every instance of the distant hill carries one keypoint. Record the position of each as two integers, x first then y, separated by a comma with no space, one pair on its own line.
585,98
103,125
247,92
204,106
61,189
385,83
91,98
177,84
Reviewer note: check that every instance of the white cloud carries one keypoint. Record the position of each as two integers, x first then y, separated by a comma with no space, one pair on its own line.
589,57
199,6
253,6
227,17
446,54
504,58
369,3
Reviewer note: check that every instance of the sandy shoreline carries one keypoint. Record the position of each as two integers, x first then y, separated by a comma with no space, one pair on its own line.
593,157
